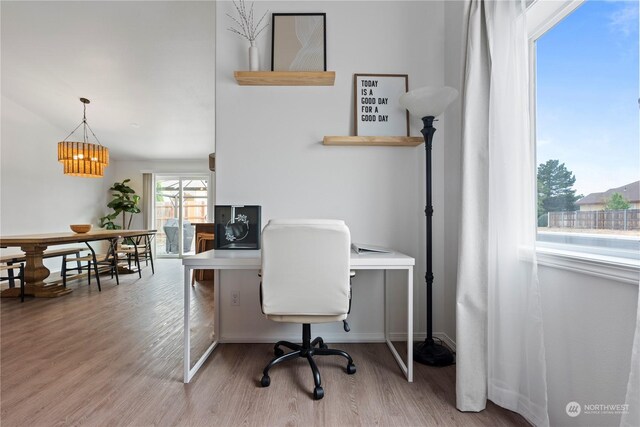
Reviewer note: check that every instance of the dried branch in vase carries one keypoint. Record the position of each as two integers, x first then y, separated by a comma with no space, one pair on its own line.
245,25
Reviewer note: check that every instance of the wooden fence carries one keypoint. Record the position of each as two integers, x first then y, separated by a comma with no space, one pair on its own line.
194,211
628,219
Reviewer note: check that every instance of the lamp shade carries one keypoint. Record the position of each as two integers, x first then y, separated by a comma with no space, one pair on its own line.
83,158
428,101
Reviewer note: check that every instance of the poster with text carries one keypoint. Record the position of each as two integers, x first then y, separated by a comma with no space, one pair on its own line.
377,107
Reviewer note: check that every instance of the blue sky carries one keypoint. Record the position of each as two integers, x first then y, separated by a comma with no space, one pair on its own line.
587,95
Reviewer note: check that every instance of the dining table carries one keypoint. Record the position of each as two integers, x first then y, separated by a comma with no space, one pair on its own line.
34,245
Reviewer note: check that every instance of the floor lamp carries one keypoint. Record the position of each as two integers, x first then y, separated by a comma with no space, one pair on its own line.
428,103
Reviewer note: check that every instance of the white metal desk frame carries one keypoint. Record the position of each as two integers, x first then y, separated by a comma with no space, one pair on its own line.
251,260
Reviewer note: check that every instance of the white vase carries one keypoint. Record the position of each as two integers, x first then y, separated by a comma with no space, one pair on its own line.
254,60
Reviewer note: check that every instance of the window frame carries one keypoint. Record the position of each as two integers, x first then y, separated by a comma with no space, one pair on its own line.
542,16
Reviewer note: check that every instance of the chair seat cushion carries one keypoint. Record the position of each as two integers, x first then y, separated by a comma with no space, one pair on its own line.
305,319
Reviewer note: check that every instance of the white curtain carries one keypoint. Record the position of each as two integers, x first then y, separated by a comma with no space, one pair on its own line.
147,201
500,348
632,417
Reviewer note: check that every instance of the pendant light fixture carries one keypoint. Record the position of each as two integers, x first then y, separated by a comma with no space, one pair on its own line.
83,158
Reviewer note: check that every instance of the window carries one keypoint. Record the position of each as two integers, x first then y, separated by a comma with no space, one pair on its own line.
586,127
180,202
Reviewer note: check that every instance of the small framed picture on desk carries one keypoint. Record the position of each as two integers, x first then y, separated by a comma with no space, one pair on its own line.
237,227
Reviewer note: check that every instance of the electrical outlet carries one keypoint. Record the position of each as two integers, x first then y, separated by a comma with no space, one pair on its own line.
235,298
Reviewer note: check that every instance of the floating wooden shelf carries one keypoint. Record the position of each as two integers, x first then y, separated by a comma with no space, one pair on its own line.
392,141
285,78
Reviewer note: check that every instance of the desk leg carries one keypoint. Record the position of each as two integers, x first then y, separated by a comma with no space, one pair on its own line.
408,368
410,324
217,329
190,372
187,326
386,306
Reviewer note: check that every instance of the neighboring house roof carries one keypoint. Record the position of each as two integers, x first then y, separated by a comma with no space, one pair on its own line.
630,192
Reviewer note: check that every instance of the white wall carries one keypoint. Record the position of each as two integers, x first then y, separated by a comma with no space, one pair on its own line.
269,152
35,195
588,326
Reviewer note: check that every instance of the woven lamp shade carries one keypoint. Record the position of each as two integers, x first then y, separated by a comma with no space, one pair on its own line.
83,158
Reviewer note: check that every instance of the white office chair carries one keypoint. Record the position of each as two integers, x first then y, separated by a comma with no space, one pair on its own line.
306,279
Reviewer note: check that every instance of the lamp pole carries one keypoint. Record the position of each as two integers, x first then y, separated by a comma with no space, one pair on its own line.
428,352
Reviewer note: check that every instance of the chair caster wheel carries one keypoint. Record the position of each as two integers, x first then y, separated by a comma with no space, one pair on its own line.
323,345
351,369
318,393
277,351
265,381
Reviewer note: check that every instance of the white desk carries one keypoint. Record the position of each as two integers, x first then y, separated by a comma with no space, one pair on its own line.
251,260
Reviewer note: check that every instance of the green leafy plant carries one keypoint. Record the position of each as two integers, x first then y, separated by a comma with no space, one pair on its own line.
125,201
617,202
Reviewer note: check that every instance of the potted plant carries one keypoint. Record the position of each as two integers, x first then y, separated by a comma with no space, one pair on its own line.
125,201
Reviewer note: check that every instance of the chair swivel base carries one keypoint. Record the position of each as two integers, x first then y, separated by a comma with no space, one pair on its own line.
308,349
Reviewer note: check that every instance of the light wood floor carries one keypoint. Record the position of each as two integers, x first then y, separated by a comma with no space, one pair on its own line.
115,358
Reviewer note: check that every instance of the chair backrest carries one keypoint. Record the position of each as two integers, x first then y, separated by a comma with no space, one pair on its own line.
305,267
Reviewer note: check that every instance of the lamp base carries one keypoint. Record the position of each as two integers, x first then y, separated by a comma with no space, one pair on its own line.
429,353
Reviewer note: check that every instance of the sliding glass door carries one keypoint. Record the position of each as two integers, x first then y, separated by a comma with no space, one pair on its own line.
180,202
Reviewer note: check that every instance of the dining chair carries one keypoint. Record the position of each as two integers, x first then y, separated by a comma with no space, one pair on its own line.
143,246
108,262
99,263
10,275
147,252
130,250
78,260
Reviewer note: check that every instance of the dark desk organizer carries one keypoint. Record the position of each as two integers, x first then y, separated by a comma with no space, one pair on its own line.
237,227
